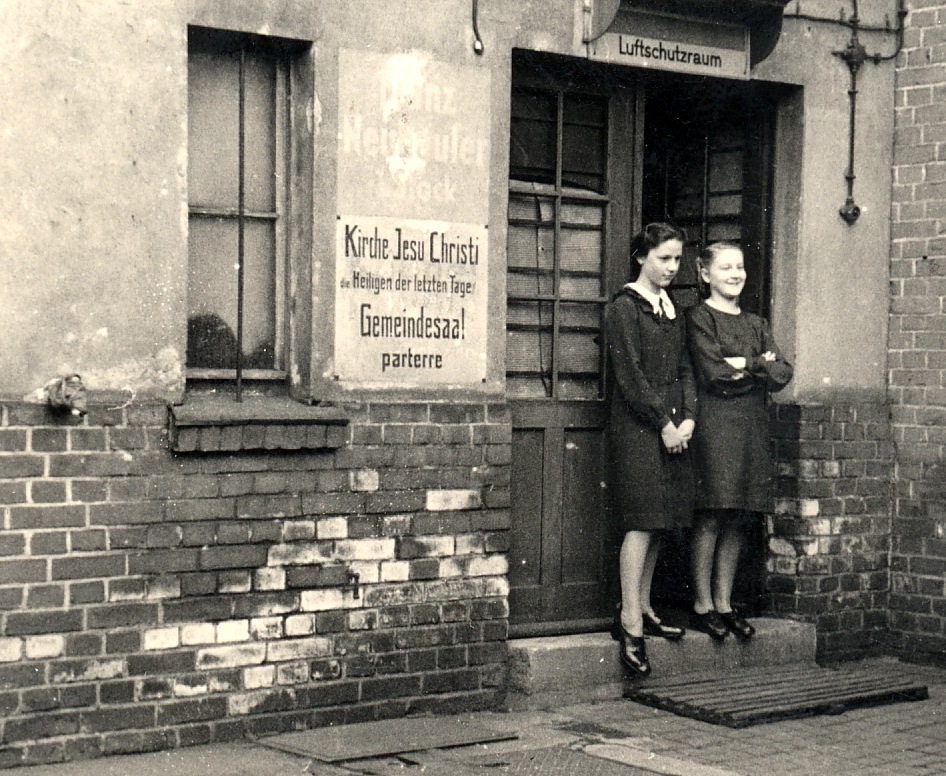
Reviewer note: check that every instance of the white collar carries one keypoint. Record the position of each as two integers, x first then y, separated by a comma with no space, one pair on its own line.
655,300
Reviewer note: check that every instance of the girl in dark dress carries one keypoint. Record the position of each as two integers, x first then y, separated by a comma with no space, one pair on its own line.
737,364
650,426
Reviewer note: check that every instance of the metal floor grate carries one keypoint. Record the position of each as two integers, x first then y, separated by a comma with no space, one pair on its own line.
746,697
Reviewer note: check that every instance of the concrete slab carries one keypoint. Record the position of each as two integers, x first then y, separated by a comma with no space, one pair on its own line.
525,730
436,763
383,737
549,672
631,755
236,759
558,761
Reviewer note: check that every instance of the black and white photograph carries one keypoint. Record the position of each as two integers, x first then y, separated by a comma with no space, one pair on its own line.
473,387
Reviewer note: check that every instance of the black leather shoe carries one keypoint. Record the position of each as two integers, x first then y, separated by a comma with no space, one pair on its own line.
654,627
737,624
634,654
710,622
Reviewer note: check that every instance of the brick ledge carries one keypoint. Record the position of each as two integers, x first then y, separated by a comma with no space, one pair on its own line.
218,424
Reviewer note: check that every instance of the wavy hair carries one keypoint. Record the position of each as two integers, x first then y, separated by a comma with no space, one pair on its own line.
652,236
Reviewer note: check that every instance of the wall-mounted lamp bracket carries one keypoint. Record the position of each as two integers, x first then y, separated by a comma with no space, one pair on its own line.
854,55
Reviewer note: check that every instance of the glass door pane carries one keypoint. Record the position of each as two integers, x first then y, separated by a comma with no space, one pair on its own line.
555,247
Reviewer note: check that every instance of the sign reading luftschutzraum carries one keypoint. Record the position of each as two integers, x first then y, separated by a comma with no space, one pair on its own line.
411,242
662,42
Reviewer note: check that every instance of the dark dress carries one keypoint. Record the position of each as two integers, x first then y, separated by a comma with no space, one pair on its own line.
731,445
651,488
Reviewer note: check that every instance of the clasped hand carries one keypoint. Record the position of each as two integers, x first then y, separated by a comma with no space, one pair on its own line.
739,363
676,438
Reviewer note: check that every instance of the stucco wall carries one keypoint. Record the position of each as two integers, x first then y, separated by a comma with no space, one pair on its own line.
94,213
93,216
830,279
92,210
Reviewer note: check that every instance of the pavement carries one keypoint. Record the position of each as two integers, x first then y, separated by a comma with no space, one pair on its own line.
613,737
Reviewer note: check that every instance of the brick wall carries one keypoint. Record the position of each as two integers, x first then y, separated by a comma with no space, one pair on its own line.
917,346
829,537
151,600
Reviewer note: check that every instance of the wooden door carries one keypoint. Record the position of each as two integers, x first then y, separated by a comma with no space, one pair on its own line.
572,157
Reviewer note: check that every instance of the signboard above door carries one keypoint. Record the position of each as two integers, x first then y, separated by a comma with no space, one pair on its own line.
682,45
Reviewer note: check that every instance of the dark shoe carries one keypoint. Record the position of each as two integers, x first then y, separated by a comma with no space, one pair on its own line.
737,624
654,627
710,622
634,654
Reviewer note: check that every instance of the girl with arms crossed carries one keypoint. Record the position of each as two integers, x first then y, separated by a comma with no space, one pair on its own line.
737,364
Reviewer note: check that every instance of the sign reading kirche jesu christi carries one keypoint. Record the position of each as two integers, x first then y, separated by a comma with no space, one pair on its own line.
411,237
664,42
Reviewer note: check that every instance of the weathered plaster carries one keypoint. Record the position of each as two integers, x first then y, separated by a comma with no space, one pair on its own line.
93,157
90,211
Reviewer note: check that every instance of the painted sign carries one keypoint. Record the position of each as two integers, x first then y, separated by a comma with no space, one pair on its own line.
411,248
671,43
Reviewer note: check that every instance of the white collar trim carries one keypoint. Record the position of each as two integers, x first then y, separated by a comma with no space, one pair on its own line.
655,300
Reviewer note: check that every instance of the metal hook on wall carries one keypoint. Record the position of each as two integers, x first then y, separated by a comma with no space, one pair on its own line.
854,56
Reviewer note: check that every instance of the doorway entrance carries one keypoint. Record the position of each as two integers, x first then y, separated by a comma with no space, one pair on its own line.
707,167
595,151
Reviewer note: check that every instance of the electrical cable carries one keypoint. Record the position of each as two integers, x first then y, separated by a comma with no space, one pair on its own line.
477,40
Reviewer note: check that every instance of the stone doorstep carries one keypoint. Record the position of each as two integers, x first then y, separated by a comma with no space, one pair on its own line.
552,671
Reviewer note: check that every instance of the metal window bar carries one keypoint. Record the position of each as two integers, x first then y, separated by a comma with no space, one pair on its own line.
556,245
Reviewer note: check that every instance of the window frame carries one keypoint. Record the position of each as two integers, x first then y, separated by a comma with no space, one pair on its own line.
617,197
292,148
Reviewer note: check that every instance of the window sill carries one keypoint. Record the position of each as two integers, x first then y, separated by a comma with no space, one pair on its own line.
213,424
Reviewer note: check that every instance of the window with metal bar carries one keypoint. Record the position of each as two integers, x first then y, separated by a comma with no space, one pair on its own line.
555,252
238,96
